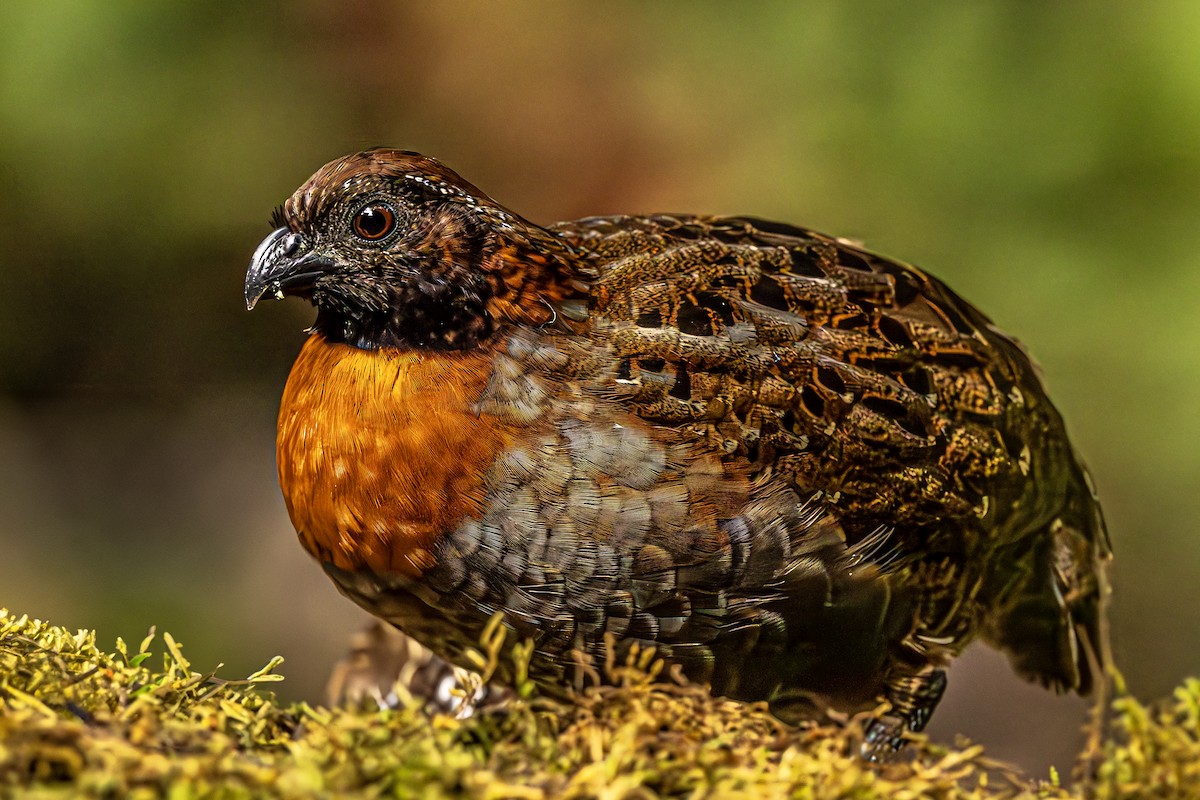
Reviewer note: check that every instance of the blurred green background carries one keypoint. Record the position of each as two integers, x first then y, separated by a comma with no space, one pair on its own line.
1044,159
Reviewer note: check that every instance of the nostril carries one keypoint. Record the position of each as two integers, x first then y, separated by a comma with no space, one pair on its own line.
291,244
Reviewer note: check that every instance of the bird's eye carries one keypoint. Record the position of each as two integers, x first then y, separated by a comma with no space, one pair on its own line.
374,221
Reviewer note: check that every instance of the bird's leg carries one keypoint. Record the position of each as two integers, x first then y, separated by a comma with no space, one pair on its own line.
383,659
913,699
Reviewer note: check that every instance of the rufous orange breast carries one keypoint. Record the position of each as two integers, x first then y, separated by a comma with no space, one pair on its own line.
380,452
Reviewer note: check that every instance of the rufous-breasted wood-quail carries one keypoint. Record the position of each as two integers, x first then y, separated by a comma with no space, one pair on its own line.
803,472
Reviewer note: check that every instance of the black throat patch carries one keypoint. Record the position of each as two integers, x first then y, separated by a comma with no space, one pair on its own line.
411,314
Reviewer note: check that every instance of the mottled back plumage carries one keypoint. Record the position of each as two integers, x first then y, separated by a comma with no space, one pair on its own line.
871,382
803,472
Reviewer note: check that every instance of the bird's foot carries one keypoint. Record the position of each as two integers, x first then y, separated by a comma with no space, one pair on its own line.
913,701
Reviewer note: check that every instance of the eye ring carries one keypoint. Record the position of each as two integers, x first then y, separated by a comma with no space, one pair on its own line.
374,221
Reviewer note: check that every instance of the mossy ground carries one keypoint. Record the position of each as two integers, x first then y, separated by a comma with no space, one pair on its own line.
76,721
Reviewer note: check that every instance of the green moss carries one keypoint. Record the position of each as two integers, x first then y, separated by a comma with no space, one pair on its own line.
77,721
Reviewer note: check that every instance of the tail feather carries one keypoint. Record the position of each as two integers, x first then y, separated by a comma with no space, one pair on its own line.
1050,614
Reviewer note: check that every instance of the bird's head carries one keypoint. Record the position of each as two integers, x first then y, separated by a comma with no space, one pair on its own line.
396,250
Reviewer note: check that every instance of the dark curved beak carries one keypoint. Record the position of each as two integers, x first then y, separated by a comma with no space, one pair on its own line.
283,264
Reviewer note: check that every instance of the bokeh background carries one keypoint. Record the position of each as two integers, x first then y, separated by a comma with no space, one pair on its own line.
1043,158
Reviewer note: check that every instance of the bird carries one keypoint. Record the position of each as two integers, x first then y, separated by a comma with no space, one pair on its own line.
800,472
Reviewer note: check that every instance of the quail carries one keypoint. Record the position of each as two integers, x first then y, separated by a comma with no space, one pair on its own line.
804,473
